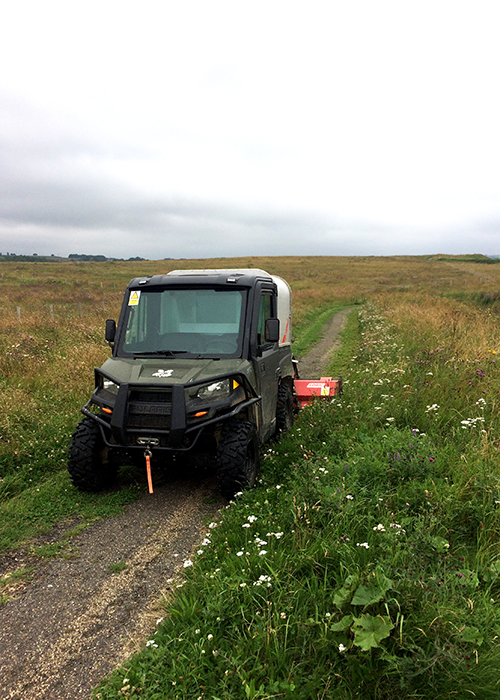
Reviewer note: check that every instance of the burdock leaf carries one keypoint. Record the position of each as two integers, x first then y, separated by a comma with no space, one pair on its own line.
345,594
367,595
343,625
369,631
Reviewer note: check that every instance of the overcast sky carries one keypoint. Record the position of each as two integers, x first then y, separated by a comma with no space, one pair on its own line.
220,128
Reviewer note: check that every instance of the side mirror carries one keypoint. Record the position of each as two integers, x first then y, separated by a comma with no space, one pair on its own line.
272,332
110,332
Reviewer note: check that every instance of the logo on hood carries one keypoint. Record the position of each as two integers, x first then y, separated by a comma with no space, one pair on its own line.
163,373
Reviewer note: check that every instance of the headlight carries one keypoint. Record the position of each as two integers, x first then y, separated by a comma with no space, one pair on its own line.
214,391
110,386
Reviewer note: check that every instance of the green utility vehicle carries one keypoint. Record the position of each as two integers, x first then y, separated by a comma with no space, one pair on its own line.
201,364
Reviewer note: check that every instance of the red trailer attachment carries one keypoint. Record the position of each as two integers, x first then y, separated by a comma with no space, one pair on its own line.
307,389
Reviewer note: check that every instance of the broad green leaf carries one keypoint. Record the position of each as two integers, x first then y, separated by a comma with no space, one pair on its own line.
367,595
369,630
345,594
343,625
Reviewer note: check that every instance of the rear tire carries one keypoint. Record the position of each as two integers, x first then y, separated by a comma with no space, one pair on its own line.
237,457
89,465
284,409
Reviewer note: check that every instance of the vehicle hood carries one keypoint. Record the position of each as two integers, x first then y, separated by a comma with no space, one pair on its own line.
168,371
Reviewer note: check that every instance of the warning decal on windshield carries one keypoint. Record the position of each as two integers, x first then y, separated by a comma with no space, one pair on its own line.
134,298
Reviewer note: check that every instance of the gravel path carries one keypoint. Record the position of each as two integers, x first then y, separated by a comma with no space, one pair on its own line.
75,620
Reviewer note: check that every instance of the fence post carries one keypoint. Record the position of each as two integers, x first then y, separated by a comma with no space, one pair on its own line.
18,312
51,312
79,309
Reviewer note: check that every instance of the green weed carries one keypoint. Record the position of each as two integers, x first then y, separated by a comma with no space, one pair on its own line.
117,567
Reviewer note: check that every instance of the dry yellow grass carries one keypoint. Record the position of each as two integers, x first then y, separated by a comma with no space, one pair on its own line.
64,305
468,330
95,289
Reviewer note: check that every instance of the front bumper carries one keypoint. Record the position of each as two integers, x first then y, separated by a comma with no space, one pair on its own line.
159,415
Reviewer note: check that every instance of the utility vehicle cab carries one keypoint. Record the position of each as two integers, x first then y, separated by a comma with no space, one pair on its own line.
201,362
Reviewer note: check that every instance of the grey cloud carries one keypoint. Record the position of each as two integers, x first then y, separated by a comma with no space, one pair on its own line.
57,195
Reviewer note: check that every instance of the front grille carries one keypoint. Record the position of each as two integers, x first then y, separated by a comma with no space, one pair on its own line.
142,396
150,409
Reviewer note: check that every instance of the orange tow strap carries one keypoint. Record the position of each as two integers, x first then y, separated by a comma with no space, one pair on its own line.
148,471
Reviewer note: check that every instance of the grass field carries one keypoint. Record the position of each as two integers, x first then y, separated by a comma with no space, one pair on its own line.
367,562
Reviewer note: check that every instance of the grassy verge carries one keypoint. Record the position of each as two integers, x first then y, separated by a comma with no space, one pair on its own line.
366,564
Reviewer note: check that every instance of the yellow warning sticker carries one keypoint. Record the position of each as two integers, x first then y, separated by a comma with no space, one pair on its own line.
134,297
325,391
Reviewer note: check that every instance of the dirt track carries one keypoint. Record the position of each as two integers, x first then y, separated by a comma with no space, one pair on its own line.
313,365
75,620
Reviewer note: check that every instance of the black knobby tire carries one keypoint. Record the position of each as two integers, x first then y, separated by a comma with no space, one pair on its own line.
89,464
237,457
284,409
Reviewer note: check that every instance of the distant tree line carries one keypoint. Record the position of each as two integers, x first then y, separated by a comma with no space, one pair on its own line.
73,257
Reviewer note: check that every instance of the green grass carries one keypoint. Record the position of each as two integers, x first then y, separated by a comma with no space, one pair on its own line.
12,579
15,576
366,563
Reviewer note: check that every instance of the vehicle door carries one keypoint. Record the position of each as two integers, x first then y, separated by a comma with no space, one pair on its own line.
266,356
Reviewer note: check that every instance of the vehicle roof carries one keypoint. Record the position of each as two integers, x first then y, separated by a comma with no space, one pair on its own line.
240,277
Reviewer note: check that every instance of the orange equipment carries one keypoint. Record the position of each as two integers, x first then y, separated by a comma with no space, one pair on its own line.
308,389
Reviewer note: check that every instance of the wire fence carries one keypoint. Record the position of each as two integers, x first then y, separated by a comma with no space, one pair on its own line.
54,313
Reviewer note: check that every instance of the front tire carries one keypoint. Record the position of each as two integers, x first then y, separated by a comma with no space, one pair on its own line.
237,457
89,465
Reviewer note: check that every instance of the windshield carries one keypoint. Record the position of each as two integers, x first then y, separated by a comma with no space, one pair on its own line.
199,321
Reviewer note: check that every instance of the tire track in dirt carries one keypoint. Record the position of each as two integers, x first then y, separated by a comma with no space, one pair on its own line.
75,621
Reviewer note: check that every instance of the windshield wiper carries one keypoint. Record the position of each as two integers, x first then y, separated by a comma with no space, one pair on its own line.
162,353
